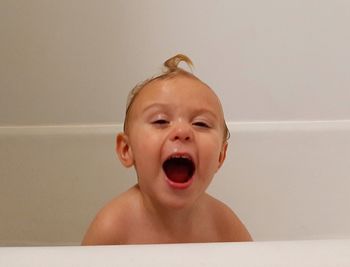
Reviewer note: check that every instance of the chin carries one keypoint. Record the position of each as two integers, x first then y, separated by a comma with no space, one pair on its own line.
178,201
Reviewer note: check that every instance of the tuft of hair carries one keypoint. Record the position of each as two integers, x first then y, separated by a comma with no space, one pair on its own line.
172,63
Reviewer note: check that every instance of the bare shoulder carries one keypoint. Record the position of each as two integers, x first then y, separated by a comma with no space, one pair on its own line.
110,224
231,227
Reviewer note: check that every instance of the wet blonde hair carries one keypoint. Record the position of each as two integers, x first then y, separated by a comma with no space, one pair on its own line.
171,69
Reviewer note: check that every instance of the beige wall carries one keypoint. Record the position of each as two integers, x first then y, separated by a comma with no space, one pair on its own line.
280,68
73,62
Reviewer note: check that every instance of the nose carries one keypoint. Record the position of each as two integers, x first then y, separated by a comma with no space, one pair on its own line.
181,131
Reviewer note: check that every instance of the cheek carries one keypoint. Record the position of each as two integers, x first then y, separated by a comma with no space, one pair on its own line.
145,147
211,153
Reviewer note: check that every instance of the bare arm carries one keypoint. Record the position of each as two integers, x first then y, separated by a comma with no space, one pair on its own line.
109,226
103,231
231,227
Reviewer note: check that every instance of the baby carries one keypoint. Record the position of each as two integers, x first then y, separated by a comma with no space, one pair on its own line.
175,136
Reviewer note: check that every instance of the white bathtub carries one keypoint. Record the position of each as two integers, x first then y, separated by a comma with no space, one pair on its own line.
321,253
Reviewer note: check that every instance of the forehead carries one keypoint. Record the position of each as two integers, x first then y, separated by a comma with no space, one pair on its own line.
179,90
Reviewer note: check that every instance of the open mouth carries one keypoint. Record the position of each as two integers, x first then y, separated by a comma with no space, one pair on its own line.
179,168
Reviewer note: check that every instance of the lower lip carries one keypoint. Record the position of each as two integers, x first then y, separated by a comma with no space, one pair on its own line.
180,186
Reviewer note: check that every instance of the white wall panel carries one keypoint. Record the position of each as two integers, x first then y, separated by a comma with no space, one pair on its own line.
285,180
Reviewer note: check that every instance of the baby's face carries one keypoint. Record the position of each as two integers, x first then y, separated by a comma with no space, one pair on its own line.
176,139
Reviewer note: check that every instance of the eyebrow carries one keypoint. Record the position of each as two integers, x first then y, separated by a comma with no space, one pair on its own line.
163,105
155,105
207,111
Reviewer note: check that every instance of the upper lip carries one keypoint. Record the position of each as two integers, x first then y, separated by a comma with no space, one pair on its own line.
180,155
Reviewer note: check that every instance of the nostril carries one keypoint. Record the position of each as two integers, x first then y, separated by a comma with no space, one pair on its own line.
181,133
180,137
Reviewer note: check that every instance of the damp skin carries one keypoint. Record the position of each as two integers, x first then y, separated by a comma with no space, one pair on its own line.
175,117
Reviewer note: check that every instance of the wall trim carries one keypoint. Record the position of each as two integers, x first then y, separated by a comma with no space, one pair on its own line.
233,126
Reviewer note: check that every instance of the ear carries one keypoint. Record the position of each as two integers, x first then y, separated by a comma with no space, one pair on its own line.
222,155
123,150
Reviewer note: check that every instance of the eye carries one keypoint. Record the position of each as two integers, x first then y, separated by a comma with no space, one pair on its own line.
201,124
160,122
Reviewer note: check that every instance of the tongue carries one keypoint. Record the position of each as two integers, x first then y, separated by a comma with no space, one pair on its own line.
178,174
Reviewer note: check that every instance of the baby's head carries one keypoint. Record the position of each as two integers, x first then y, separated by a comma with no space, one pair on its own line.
171,70
174,135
